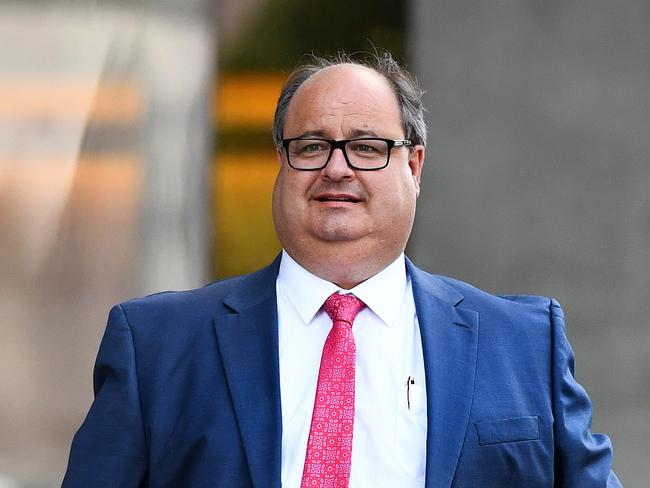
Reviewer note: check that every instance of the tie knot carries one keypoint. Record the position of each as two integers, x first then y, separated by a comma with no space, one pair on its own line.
343,307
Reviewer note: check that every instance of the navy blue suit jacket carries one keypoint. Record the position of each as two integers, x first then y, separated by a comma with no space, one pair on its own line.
187,392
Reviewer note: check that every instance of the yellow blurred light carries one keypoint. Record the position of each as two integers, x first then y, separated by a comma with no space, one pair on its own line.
29,100
247,99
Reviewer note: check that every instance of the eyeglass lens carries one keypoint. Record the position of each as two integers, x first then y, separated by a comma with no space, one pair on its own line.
361,153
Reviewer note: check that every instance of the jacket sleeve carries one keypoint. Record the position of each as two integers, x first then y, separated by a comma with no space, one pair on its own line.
110,449
582,459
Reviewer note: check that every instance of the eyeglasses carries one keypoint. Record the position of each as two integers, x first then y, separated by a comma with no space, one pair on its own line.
365,154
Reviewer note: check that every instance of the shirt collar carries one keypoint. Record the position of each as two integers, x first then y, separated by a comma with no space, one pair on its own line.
383,293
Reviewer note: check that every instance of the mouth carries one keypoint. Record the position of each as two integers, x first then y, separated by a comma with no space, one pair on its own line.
336,198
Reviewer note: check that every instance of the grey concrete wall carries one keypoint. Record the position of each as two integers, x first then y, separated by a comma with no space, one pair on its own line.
537,178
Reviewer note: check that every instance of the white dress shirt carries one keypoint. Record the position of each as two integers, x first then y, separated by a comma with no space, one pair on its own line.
389,439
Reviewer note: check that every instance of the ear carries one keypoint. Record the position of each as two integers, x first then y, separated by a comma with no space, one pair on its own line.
416,161
279,153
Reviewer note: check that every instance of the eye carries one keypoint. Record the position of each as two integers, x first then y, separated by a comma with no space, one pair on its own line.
367,147
362,146
308,146
314,146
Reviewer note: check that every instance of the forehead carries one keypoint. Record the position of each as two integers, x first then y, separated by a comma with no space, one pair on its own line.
344,99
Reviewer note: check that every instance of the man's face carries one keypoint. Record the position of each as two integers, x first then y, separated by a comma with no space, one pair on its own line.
360,211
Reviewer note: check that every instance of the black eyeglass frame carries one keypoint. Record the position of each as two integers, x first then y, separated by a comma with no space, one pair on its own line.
340,144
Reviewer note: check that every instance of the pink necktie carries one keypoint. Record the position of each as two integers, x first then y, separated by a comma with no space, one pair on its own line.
329,449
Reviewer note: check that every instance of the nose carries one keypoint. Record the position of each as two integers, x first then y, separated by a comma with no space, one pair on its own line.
337,167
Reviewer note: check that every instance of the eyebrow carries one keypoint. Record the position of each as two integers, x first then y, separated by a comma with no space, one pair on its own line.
363,133
313,133
353,134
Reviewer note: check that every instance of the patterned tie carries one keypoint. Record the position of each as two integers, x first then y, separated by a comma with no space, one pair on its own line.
329,449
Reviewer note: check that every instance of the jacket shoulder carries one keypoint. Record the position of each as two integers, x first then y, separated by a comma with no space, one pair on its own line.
498,308
473,295
201,303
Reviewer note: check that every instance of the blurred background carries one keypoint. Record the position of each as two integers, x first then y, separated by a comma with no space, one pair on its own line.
136,155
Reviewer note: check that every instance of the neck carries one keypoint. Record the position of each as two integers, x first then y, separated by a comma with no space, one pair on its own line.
345,269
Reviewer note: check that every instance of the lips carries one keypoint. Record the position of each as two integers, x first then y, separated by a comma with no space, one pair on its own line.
337,197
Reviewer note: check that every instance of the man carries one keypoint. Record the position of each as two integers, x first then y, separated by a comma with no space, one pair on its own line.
340,364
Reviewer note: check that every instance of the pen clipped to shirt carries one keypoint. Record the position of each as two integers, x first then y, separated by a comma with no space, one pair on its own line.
409,391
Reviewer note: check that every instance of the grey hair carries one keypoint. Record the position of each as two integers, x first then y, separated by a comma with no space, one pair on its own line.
404,84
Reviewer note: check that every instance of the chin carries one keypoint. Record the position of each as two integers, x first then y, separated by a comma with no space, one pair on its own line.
338,233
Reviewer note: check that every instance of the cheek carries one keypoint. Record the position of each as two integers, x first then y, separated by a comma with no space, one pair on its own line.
398,201
396,191
289,193
410,184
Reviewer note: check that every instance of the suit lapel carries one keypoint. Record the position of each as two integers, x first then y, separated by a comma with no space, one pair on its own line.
449,343
248,341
